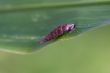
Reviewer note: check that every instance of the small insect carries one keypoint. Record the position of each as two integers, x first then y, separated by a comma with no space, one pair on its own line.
57,32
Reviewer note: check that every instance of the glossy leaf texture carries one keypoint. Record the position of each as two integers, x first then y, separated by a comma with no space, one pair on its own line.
24,23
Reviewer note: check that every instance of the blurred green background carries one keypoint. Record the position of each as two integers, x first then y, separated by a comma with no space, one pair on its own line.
21,23
87,53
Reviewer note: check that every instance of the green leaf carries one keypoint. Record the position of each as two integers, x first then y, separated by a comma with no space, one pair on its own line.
24,23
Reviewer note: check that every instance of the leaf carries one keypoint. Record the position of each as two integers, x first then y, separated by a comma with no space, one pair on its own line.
23,24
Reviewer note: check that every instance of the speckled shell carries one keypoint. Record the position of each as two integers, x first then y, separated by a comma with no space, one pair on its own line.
58,31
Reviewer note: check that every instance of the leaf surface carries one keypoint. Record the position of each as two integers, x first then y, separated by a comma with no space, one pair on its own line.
24,23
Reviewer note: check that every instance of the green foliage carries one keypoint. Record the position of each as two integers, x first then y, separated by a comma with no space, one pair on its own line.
24,22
